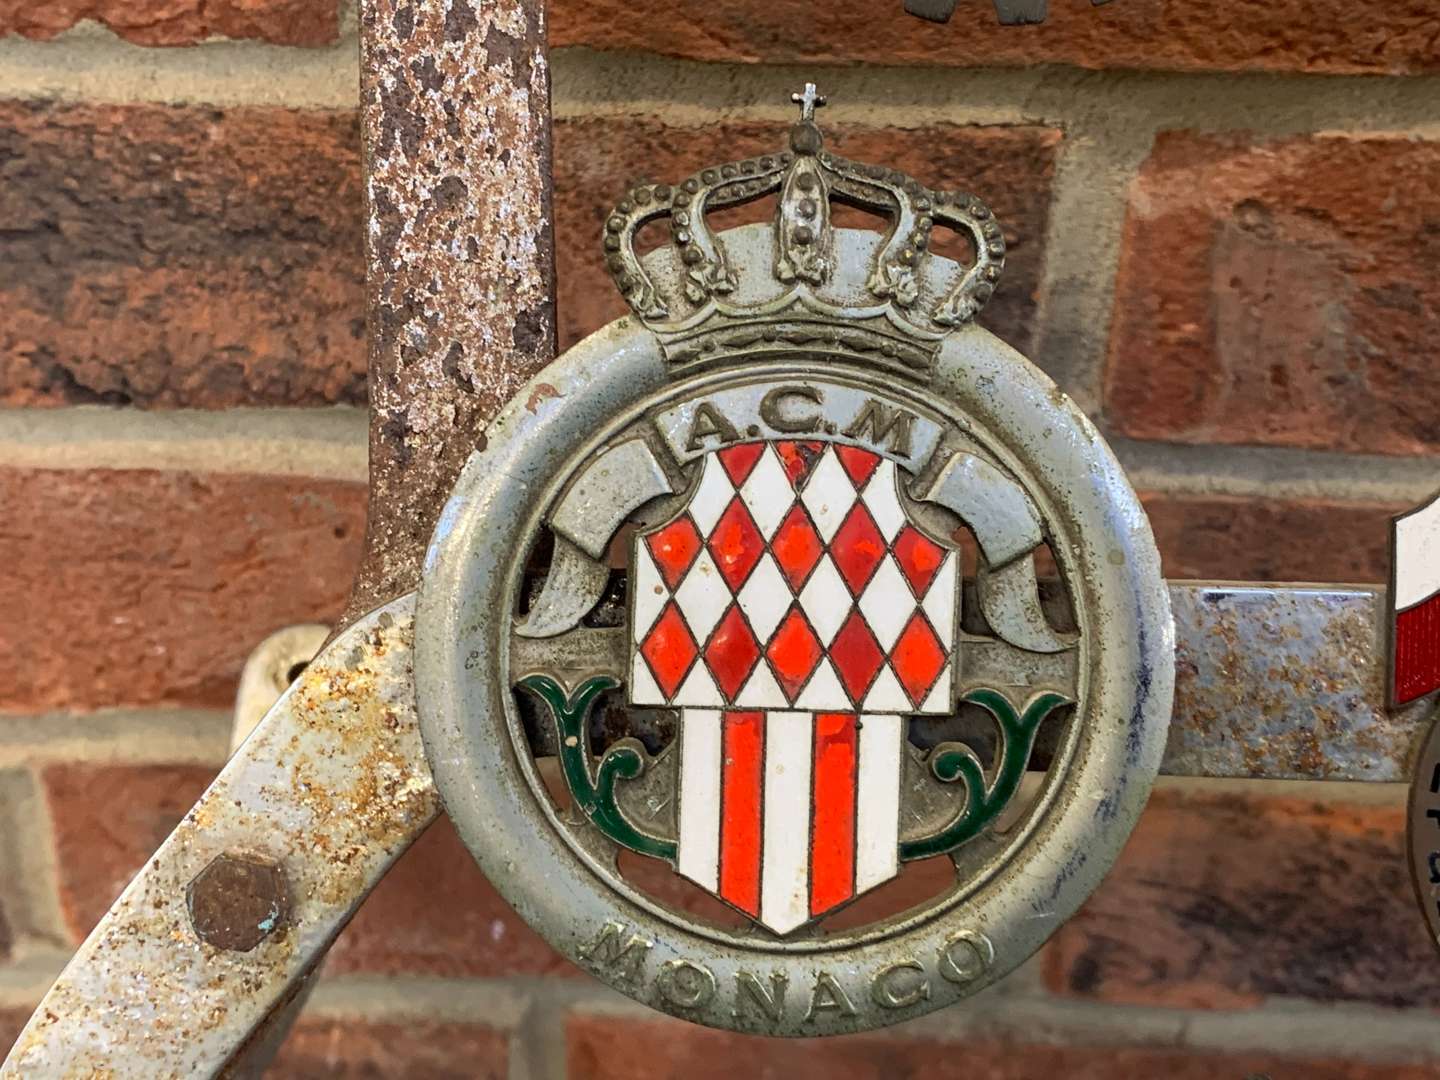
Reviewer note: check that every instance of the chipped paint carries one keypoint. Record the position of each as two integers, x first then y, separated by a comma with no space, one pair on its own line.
332,787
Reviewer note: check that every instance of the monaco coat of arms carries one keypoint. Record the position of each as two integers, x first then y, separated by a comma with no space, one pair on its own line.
802,654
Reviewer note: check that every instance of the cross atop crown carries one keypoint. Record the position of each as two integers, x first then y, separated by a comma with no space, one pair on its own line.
809,101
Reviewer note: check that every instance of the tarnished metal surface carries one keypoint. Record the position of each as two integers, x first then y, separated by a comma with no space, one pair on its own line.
1284,683
330,789
460,256
272,666
1423,830
1010,890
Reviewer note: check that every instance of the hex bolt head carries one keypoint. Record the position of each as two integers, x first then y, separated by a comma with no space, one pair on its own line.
238,901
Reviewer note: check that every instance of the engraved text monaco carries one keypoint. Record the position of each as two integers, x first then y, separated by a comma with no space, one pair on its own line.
620,954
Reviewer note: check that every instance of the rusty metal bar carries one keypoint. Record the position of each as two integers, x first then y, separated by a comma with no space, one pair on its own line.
455,103
1285,683
225,920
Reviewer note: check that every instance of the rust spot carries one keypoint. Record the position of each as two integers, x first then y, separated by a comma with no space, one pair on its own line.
541,393
460,20
532,329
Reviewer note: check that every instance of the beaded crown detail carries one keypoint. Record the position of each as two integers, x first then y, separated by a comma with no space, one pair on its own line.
885,299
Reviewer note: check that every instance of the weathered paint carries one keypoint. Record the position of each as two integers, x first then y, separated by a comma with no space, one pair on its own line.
328,792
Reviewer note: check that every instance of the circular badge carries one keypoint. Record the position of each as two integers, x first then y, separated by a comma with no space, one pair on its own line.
1423,832
794,656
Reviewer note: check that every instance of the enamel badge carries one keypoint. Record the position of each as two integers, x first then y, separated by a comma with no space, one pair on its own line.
795,656
1415,603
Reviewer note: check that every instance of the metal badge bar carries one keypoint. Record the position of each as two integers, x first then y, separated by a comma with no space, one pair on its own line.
246,895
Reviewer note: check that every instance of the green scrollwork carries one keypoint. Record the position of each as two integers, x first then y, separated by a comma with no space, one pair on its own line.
594,789
954,761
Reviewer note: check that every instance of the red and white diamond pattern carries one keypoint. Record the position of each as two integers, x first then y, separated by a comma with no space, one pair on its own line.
793,581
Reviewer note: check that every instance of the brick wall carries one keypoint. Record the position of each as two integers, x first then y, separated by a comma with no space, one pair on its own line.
1224,234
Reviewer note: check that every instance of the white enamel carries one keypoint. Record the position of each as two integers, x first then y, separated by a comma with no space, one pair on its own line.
761,691
828,495
785,862
767,493
939,602
825,600
938,700
886,693
877,803
699,688
823,693
883,502
698,854
1417,556
650,592
703,597
644,690
886,603
712,496
765,598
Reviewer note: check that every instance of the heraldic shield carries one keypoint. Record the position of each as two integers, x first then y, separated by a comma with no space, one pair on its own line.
793,631
794,614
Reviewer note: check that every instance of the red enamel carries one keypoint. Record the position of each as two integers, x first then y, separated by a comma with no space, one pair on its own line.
669,649
919,558
732,652
857,548
917,658
796,546
794,650
674,548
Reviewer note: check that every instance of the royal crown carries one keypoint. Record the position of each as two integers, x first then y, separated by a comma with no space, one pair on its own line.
880,297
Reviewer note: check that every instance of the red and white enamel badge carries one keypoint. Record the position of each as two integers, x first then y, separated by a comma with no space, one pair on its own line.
1415,603
796,654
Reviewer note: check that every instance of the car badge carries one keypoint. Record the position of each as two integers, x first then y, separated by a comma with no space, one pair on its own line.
794,655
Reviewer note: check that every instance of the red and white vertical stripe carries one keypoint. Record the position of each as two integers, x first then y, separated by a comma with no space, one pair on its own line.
787,815
1415,599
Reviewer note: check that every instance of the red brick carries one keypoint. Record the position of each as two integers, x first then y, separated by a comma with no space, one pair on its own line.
207,258
1221,900
605,1048
435,914
1235,538
179,22
1173,35
108,820
12,1022
341,1049
190,256
145,587
596,160
1280,293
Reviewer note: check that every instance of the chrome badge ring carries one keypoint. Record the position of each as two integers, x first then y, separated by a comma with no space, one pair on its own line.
732,665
